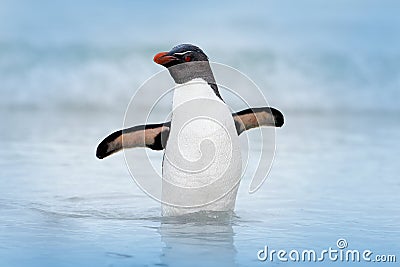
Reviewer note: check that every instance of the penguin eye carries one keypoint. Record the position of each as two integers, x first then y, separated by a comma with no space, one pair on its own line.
187,58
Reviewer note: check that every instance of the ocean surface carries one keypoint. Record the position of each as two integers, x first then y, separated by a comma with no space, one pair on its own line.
334,176
69,69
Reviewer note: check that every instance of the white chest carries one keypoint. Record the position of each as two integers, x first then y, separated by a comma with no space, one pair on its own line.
202,161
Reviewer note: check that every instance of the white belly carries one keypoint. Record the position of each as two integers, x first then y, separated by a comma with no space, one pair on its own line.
202,161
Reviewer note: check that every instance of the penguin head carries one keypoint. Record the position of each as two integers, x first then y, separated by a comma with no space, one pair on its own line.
180,54
186,62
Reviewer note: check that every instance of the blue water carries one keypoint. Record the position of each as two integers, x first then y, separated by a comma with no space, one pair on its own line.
68,70
334,176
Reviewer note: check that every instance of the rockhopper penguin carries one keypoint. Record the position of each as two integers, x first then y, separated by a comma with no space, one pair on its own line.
202,160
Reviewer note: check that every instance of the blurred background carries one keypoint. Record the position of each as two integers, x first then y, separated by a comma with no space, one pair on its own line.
304,55
69,68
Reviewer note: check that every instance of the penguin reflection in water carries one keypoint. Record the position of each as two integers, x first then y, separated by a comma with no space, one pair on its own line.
202,163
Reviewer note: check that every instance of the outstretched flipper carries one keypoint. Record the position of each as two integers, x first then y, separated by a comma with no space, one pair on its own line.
256,117
155,136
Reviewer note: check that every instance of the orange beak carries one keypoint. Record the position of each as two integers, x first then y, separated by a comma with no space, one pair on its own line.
163,58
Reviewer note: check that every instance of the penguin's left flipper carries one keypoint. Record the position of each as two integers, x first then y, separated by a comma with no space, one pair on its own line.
256,117
153,136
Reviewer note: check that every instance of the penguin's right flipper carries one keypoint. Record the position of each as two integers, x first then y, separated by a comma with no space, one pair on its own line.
153,136
257,117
